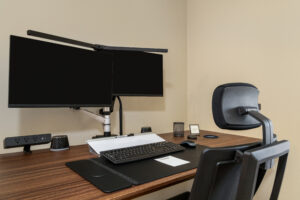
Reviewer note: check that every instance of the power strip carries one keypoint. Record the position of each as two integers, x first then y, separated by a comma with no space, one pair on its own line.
26,141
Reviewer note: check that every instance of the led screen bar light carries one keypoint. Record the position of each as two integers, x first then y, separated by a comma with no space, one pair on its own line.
93,46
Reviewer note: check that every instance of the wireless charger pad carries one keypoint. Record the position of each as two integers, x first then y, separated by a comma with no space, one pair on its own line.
211,136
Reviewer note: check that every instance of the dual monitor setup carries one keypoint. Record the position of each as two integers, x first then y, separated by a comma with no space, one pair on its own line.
46,74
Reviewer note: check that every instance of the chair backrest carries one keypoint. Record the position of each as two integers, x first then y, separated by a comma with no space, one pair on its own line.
225,101
218,173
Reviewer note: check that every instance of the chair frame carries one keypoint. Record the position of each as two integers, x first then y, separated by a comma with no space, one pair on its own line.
252,159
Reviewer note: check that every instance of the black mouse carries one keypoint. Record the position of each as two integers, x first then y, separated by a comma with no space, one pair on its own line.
188,143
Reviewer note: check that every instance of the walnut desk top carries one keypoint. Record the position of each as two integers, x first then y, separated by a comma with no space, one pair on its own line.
43,174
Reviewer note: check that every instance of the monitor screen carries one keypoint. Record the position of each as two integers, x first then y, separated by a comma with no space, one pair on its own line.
44,74
137,74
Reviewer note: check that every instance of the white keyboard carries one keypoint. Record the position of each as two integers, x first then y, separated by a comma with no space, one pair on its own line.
110,143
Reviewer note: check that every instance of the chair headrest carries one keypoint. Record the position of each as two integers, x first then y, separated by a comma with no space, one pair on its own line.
225,102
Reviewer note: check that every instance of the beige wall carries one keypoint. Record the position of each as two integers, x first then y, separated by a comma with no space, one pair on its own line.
141,23
210,42
248,41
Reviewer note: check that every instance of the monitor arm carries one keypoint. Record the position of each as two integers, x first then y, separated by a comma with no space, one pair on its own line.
104,118
268,136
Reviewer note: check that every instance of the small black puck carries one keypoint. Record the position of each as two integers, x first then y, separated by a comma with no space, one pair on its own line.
211,136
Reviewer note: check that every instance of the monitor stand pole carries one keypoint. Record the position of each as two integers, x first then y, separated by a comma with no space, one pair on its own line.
104,118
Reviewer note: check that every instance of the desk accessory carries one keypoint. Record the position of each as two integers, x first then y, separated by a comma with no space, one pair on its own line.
141,152
109,177
194,129
178,129
109,143
59,143
146,129
26,141
211,136
99,176
188,143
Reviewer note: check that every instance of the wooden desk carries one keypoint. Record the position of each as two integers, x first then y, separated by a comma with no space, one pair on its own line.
43,174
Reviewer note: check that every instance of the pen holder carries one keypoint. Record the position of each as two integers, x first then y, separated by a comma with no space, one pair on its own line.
178,129
146,129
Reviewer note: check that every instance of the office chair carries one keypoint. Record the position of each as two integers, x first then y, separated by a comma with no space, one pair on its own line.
236,172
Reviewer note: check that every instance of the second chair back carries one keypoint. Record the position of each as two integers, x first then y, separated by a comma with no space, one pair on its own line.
218,173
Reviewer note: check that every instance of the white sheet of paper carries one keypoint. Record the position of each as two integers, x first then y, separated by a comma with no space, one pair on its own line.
172,161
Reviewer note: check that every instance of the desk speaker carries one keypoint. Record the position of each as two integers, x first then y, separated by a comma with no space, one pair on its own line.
59,143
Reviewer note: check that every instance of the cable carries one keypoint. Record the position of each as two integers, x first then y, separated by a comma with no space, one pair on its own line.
120,115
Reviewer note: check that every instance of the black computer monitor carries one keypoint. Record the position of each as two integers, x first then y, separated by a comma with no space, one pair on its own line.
44,74
137,74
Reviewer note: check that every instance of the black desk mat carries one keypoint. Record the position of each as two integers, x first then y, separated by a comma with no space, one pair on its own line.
110,177
99,176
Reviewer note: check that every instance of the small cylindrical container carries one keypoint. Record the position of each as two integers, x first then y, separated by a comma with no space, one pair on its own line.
178,129
146,129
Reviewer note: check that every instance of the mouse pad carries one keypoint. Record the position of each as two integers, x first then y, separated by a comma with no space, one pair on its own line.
137,172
